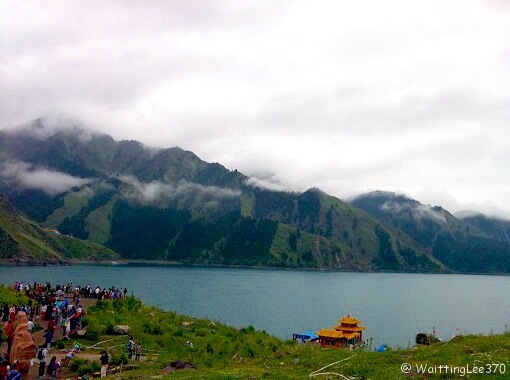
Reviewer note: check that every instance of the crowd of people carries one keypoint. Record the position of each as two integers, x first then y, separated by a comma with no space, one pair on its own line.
54,307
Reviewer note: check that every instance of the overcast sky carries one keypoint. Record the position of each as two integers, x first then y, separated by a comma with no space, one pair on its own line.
348,96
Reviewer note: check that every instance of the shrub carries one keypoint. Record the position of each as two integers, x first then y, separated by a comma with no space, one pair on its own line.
102,305
121,357
88,368
133,303
110,329
157,330
117,304
76,363
250,352
92,334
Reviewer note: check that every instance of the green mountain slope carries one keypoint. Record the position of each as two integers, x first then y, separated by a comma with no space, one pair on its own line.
353,237
168,204
23,241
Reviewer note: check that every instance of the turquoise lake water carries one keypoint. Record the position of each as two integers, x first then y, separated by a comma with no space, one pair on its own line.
393,306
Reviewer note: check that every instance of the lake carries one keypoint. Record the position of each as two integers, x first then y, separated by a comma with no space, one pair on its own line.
393,306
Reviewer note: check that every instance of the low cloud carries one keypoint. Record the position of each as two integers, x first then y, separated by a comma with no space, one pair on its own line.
467,214
267,181
50,125
158,191
418,211
40,178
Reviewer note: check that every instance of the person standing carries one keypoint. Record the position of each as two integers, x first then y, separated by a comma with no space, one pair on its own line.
131,347
12,313
9,331
51,325
42,360
14,374
104,363
63,324
138,351
53,367
5,313
48,336
44,308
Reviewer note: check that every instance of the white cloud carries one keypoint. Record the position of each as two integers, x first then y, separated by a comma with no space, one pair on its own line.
39,178
265,180
418,211
157,190
49,125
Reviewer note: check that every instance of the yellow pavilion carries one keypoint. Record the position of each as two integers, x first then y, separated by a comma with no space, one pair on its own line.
345,333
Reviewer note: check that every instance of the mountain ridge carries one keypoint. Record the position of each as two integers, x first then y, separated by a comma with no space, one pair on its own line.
183,208
475,244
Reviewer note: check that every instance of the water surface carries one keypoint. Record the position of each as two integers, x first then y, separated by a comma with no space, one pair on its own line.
393,306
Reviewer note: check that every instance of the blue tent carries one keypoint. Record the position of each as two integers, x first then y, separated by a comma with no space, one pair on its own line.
381,348
305,336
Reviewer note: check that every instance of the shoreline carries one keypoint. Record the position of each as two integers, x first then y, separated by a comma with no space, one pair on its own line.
164,263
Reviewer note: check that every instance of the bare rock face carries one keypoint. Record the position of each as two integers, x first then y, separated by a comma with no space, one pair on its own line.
426,339
178,365
23,346
121,329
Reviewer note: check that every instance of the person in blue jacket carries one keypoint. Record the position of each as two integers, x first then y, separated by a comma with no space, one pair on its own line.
14,374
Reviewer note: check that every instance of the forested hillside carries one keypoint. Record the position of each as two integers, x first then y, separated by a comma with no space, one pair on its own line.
168,204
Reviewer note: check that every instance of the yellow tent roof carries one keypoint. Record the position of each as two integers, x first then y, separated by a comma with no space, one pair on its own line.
347,328
337,334
350,328
348,320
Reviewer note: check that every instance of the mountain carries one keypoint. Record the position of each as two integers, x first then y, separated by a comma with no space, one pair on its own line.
148,203
473,245
493,227
23,241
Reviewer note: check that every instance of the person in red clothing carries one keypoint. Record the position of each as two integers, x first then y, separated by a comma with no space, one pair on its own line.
4,369
12,313
9,331
51,325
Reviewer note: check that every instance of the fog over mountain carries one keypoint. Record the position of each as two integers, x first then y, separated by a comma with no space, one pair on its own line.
346,96
50,181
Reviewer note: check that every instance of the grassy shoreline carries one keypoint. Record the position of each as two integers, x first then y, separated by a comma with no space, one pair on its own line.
222,352
219,351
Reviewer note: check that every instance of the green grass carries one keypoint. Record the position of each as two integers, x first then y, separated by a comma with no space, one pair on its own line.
39,245
76,249
312,251
73,203
10,297
98,224
222,352
247,204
